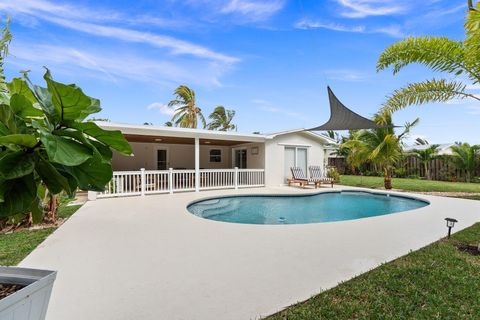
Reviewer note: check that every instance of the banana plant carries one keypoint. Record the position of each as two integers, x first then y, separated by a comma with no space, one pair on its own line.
45,141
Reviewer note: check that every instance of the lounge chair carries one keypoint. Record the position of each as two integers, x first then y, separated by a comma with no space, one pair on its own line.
298,176
317,175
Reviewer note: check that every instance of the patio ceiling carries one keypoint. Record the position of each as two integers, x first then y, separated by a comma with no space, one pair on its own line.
180,140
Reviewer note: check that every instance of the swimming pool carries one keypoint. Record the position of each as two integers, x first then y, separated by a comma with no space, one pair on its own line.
302,209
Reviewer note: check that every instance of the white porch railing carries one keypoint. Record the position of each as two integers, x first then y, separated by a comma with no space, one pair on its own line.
135,183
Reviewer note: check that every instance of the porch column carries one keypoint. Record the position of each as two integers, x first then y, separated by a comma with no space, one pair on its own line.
197,164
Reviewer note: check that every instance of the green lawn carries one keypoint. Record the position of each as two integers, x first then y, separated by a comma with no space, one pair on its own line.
410,184
436,282
17,245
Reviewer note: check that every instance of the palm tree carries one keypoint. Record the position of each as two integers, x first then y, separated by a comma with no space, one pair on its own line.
168,124
440,54
222,119
465,157
186,110
331,134
382,147
421,142
425,156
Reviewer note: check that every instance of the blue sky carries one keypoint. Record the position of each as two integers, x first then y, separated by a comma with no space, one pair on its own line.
269,60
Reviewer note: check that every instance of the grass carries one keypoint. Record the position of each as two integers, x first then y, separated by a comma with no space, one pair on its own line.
14,247
436,282
410,184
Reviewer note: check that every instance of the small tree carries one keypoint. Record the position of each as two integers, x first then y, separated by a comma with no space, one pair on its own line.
382,146
45,141
465,157
425,156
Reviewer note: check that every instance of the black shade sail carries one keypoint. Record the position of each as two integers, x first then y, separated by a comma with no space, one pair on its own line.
342,118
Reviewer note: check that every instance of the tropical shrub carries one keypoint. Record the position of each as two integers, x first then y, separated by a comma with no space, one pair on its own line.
382,147
332,172
45,142
466,157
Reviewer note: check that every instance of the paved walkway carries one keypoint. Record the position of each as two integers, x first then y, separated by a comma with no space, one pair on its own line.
148,258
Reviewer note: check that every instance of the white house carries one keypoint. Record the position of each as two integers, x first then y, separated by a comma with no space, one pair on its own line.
170,159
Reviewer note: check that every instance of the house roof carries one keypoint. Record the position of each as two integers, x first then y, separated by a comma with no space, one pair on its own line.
150,130
443,149
187,133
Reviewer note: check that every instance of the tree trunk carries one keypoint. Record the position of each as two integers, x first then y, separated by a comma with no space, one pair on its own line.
468,176
51,215
427,171
387,179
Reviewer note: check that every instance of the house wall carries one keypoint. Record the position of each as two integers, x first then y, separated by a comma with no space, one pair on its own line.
275,158
179,156
254,161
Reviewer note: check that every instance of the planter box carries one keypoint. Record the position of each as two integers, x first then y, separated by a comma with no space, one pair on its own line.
31,302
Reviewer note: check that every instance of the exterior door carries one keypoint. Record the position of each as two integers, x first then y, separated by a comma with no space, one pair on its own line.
295,157
241,158
162,163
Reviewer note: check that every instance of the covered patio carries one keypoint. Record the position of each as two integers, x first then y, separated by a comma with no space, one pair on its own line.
168,160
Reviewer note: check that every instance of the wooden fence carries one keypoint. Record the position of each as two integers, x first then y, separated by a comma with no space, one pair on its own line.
442,168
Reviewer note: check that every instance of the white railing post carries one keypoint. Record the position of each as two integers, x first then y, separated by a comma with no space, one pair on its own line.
197,164
170,180
142,182
236,177
92,195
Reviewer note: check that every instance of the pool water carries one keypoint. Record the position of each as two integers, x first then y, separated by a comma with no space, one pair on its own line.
322,207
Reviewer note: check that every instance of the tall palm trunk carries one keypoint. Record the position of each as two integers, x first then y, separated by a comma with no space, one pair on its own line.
427,170
387,178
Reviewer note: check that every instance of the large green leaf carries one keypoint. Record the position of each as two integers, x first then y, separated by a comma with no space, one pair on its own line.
64,150
20,86
23,106
24,140
51,177
19,196
69,100
104,150
16,164
93,175
45,102
112,138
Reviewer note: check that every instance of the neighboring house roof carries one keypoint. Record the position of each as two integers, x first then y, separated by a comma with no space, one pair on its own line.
443,149
202,133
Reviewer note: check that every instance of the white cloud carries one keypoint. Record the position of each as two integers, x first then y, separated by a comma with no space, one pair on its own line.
392,30
267,106
346,75
254,10
113,66
365,8
473,110
74,17
163,108
160,41
309,24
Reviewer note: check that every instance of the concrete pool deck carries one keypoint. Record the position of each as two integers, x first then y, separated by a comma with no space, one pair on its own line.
148,258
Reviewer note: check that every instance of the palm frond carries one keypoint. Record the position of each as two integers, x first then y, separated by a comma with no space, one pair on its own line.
4,42
425,92
436,53
472,41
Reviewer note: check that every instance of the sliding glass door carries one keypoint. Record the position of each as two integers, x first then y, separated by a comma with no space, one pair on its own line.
295,157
